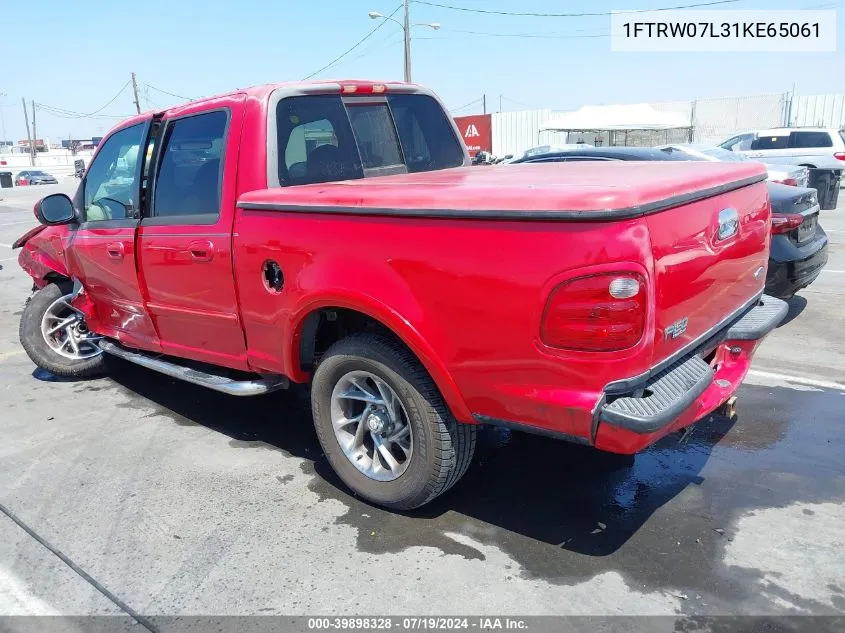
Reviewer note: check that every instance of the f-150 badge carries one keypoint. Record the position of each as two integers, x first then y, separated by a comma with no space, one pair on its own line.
674,330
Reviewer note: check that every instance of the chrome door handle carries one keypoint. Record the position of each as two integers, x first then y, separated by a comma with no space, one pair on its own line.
116,250
201,251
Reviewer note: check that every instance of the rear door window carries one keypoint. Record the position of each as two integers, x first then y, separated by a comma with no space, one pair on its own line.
810,139
190,172
770,142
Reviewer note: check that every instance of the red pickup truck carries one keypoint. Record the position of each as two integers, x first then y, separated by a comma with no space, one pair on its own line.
334,233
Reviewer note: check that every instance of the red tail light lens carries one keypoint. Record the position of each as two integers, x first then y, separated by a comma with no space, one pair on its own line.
792,182
582,314
839,155
786,223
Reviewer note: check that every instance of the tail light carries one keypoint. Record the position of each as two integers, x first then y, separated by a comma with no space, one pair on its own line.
792,182
839,155
598,313
786,223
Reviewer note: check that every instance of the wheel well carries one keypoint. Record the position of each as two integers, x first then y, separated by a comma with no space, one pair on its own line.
807,165
326,326
65,283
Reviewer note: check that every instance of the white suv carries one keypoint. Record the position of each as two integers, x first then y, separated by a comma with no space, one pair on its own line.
822,148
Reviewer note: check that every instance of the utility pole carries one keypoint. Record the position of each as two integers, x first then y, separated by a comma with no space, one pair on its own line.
3,121
34,133
407,43
484,103
135,83
28,137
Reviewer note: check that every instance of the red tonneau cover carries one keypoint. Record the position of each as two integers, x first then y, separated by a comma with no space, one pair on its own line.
582,190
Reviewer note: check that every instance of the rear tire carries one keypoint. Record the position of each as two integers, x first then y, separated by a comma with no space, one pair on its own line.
436,453
34,343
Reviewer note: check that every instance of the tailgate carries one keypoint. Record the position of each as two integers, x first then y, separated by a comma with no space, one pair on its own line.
706,268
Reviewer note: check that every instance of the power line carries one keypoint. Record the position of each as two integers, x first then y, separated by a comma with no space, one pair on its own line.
354,46
169,93
70,114
569,15
549,35
466,105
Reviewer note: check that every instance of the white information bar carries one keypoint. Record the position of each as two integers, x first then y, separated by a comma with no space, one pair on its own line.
723,31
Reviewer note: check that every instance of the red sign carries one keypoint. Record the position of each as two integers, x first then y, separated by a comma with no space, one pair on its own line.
477,132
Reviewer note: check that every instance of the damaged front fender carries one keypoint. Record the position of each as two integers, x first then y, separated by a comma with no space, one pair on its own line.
42,254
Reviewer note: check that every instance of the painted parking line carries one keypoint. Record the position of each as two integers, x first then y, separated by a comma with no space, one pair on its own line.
5,355
838,272
810,382
6,245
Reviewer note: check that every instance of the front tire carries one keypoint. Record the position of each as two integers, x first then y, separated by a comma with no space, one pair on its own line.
55,337
383,425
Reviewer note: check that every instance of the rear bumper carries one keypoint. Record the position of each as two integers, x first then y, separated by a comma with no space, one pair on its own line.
688,389
793,267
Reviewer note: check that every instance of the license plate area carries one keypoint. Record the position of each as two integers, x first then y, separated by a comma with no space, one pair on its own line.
807,229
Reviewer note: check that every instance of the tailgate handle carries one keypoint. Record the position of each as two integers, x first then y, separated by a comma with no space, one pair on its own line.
728,223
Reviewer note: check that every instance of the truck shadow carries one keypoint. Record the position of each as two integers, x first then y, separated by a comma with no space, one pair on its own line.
796,307
575,497
563,494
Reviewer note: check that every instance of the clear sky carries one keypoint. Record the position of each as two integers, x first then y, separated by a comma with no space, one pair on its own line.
76,55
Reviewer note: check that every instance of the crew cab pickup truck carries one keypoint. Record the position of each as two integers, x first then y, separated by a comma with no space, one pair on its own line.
335,234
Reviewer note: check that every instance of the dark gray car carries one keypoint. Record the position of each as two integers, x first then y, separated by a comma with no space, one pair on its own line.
35,177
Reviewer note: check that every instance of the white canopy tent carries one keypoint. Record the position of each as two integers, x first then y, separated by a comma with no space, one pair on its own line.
640,116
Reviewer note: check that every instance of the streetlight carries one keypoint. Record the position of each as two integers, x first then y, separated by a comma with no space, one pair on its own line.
406,27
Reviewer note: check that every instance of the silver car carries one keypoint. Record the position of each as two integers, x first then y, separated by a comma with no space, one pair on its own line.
795,175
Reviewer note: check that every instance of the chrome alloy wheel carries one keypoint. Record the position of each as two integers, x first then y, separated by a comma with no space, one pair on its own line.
64,330
371,425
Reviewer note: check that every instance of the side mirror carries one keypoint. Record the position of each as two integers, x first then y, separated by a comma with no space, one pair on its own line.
54,209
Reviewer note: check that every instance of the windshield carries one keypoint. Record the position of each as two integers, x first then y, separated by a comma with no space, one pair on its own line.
722,154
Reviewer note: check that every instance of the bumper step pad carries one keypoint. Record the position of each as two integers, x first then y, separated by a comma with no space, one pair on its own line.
760,320
667,395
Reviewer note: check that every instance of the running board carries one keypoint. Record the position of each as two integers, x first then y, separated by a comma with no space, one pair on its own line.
223,384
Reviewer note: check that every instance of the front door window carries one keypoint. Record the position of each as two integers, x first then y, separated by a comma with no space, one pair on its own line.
111,184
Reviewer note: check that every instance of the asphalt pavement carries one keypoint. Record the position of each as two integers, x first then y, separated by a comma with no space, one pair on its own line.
137,492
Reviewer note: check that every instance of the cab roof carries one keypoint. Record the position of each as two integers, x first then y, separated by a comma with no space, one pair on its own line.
263,91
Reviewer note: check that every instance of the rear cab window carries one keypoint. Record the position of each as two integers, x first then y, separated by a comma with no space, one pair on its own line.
324,138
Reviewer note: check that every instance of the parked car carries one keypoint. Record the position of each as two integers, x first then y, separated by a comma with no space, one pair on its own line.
338,236
794,175
35,177
820,149
799,248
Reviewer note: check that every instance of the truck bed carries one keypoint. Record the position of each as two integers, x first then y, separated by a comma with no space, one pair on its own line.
574,191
